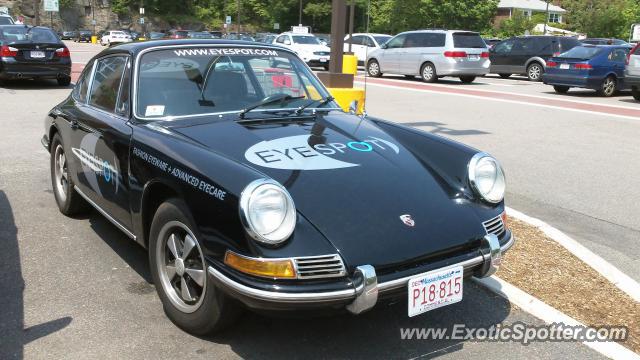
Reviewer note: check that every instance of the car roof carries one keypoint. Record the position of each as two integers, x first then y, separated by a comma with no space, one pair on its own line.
134,48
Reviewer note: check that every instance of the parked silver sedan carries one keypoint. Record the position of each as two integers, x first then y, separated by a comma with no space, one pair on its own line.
432,54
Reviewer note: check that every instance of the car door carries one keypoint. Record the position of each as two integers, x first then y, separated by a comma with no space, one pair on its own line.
523,49
101,136
617,60
420,48
499,56
392,54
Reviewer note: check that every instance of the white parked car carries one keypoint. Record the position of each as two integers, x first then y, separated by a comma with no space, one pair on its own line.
307,46
114,37
363,43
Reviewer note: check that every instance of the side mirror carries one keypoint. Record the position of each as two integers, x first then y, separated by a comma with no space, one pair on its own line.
287,42
323,42
353,107
384,46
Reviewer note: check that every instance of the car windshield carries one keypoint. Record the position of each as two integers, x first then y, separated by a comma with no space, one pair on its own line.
119,33
205,80
581,52
5,20
382,39
468,40
26,34
312,40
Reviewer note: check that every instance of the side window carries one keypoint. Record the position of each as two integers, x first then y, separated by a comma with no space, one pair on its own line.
396,42
618,55
106,82
280,39
503,47
123,105
358,40
369,42
82,86
523,46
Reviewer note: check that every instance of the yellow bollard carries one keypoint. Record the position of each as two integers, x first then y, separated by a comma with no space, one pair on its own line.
94,39
350,64
344,97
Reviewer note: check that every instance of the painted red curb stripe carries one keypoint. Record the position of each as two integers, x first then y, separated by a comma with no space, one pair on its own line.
514,97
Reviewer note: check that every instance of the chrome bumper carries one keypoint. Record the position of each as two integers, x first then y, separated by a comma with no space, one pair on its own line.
366,289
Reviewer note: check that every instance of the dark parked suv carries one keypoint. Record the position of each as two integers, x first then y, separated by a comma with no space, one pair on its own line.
527,55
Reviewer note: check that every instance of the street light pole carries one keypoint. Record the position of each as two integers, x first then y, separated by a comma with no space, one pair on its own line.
238,17
352,10
546,18
300,14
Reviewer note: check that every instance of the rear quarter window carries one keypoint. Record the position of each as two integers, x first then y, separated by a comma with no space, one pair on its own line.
5,20
468,40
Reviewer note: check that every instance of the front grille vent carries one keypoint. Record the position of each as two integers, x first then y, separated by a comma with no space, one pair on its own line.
494,226
314,267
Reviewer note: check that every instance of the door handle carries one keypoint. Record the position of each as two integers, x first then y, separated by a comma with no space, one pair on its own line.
73,124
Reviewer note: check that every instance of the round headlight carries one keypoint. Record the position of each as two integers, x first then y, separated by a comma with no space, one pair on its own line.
267,211
487,178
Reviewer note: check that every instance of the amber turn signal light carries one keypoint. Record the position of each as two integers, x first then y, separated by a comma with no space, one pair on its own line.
504,219
280,268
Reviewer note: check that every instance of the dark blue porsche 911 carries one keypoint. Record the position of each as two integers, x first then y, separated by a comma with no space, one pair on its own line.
597,67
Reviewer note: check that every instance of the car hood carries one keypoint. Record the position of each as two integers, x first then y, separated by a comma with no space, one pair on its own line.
309,48
355,183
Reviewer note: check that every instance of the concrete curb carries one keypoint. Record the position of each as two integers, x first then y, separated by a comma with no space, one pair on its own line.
608,271
551,315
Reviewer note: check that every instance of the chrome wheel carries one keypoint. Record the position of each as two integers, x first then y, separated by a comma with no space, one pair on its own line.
181,266
61,172
535,71
428,73
609,86
374,68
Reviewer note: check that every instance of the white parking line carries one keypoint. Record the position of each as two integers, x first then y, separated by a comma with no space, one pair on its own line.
563,98
551,315
484,98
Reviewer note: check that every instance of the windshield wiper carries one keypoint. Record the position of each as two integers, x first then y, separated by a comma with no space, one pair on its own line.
322,101
268,101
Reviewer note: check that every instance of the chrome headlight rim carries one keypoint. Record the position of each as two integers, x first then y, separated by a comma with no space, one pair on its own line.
245,203
473,163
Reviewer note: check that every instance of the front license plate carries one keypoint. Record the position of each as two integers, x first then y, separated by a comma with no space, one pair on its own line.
564,66
474,57
323,59
37,54
435,289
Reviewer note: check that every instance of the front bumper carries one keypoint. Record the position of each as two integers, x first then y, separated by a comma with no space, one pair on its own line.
360,292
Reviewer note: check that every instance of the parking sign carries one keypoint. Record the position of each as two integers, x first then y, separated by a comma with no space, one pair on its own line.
51,5
228,20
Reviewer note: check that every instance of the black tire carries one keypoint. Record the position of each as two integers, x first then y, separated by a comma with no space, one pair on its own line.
64,81
373,68
213,310
467,79
428,73
326,67
561,89
635,92
609,87
505,76
535,71
69,201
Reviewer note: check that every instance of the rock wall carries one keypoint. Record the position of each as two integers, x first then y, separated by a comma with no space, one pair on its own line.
75,17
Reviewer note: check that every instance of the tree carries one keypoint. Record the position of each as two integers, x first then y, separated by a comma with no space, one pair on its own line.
601,18
401,15
517,25
317,11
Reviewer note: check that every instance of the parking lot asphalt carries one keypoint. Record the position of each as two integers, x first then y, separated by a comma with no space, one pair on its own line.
78,288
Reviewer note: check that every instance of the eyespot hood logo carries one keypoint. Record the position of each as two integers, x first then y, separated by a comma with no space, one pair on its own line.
295,153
